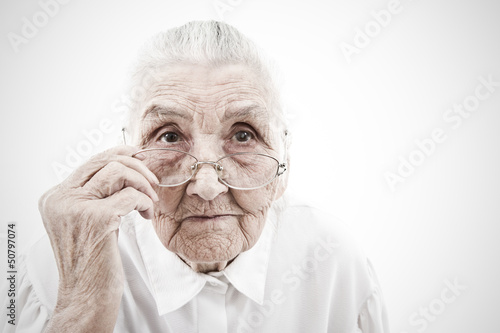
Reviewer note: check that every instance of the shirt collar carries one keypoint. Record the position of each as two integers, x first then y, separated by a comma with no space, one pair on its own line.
173,283
248,272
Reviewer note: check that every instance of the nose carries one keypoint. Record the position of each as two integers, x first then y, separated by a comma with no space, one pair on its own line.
205,183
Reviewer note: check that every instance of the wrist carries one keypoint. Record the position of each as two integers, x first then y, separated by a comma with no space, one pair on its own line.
90,313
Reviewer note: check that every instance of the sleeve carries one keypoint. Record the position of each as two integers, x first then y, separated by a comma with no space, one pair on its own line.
31,316
372,316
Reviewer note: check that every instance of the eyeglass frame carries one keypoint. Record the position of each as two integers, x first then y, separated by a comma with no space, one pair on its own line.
218,168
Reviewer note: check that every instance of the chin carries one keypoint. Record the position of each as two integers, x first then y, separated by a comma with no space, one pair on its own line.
208,244
209,248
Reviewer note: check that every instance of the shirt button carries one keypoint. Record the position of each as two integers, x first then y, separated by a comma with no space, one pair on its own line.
213,284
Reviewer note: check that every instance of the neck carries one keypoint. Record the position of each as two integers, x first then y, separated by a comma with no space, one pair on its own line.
207,267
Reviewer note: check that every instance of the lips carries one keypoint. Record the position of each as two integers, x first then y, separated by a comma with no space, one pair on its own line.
207,218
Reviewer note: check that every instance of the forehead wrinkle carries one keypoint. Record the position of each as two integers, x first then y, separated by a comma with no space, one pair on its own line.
157,111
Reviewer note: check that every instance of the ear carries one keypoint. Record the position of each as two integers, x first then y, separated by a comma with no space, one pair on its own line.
283,179
283,182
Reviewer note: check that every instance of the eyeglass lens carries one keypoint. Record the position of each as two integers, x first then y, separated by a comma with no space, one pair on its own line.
246,170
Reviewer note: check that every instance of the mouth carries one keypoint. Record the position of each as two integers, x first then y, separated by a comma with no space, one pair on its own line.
208,218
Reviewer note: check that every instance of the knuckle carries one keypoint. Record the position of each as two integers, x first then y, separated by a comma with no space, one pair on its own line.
132,197
102,160
114,167
49,199
96,161
113,153
114,171
42,202
107,175
129,194
102,156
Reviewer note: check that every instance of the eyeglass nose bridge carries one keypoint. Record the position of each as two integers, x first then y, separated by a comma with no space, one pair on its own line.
218,168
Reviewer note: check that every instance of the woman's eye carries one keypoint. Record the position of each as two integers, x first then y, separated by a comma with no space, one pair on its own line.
243,136
170,137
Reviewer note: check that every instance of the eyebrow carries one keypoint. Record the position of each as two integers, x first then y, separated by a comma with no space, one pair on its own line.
245,112
251,111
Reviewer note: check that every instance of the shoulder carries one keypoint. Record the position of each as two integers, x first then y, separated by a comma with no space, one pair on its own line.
307,227
316,243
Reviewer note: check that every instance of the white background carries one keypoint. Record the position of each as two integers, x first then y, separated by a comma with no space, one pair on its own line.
351,121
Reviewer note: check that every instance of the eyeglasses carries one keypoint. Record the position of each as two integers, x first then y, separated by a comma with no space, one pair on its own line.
240,171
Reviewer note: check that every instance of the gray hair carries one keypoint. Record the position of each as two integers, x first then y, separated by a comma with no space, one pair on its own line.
208,43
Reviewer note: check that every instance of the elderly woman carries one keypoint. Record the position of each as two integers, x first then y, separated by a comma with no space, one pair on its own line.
188,230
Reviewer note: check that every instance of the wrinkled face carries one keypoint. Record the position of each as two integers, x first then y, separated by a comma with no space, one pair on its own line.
210,113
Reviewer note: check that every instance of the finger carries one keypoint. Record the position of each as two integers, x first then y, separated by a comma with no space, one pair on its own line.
147,215
129,199
122,154
83,173
116,176
140,167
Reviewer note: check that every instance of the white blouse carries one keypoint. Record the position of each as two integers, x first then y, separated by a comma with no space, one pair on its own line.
305,274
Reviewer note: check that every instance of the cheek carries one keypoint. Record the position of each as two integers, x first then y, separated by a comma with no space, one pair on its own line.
170,198
164,222
256,204
256,201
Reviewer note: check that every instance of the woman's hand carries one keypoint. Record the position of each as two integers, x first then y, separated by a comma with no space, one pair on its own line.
82,216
